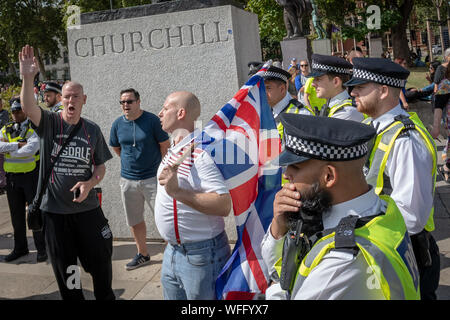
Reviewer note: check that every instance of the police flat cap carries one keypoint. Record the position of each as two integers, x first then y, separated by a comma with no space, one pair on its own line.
274,73
15,105
254,66
378,70
322,138
52,86
322,64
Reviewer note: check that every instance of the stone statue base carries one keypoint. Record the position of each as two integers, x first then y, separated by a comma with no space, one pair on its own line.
376,48
299,48
322,46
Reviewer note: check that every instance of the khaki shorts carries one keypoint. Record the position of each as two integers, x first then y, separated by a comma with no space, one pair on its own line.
134,194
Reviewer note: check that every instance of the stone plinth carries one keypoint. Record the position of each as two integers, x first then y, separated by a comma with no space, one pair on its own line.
376,47
299,48
198,46
322,46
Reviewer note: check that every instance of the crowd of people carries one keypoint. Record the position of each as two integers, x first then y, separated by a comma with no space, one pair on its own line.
348,144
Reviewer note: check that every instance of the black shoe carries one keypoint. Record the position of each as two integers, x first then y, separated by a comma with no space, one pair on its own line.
15,255
41,257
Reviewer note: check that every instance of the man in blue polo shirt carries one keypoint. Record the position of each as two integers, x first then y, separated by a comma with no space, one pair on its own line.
138,139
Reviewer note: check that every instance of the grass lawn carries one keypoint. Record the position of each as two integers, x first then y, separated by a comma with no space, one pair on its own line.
416,78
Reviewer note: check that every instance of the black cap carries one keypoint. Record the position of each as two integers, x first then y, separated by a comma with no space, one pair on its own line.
379,70
274,73
254,67
52,86
322,138
322,64
15,105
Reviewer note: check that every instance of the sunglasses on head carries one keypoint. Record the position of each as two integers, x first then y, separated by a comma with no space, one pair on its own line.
127,101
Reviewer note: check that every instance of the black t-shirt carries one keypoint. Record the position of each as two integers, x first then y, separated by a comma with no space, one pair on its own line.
86,149
439,75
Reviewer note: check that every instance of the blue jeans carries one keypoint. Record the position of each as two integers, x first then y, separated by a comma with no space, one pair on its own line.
189,271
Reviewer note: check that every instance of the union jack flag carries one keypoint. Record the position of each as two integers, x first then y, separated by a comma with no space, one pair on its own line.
242,139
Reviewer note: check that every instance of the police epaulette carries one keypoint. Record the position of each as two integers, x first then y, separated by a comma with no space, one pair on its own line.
407,122
404,133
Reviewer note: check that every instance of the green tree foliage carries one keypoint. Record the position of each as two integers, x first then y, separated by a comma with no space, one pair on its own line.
34,22
100,5
394,16
271,26
425,9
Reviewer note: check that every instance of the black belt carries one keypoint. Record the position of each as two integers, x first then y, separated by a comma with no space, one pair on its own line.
18,173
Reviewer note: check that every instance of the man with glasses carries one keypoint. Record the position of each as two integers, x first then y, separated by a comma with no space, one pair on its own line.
138,139
301,79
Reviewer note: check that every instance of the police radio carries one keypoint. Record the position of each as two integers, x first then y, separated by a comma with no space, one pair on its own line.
296,246
305,228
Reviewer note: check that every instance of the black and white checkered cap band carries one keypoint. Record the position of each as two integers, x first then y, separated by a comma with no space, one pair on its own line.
321,151
378,78
275,75
49,87
327,68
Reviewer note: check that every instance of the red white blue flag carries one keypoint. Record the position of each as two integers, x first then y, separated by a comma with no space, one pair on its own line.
242,139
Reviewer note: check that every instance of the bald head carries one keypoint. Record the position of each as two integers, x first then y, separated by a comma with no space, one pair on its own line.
354,54
187,101
73,84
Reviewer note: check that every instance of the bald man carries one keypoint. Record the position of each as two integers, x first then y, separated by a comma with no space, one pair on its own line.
354,54
74,224
191,203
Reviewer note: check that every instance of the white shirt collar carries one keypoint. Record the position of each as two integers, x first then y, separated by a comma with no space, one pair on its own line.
385,119
365,205
338,98
279,107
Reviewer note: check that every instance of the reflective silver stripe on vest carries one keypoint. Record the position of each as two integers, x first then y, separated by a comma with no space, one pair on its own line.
374,169
18,160
389,273
386,268
308,260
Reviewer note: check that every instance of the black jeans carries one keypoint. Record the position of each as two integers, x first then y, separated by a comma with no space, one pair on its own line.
85,236
20,190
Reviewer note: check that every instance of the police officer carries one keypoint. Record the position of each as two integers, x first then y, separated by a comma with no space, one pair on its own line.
52,96
278,97
353,244
329,73
20,144
402,163
253,67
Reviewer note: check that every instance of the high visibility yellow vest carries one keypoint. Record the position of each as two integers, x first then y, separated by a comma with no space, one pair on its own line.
313,100
57,108
293,107
330,111
386,247
382,147
18,164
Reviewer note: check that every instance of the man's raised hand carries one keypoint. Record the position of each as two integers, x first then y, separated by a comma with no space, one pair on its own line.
29,65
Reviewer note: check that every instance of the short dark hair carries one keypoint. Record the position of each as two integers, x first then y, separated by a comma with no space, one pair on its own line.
344,77
131,90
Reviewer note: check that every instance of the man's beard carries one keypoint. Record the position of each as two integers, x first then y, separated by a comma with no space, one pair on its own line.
368,108
315,202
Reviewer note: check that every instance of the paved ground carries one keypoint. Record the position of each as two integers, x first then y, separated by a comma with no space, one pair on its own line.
26,279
